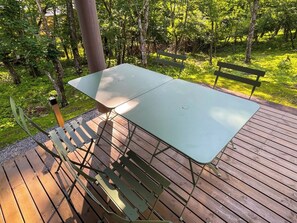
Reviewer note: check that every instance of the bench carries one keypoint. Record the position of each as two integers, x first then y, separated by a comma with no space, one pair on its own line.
171,59
234,76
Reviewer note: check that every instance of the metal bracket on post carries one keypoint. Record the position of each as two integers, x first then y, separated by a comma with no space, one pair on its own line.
57,112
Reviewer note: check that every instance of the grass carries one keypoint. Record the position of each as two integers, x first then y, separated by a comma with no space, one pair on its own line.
32,95
279,84
279,61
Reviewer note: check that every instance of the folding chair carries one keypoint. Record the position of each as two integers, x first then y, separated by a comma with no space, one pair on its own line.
131,184
76,134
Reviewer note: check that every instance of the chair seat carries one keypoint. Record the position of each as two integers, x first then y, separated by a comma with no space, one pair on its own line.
132,185
76,134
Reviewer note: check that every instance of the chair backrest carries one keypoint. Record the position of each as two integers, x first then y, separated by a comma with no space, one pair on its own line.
23,120
170,59
75,172
224,71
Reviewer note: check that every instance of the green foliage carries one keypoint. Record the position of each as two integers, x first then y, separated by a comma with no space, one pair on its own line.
32,94
187,26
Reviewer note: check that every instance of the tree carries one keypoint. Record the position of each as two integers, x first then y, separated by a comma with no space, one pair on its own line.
10,35
254,10
53,55
287,15
143,22
211,10
73,36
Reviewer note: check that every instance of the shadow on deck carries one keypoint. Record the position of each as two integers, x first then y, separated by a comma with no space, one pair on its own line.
258,182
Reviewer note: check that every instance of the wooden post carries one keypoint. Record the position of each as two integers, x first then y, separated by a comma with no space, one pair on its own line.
89,26
57,112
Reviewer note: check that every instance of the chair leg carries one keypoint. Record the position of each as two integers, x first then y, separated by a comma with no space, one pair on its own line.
81,167
153,208
72,186
57,170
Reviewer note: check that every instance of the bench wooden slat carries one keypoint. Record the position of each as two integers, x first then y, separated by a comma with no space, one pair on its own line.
245,70
238,78
172,55
170,63
171,59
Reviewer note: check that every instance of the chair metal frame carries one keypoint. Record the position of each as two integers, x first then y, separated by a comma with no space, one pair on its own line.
131,184
73,135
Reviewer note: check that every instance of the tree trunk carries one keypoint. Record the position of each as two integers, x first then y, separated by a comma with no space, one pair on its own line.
292,40
211,43
123,40
54,84
73,36
56,62
34,71
143,26
15,77
65,48
248,52
59,81
185,25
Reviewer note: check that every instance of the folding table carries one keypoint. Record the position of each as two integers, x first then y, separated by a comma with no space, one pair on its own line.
116,85
119,84
197,121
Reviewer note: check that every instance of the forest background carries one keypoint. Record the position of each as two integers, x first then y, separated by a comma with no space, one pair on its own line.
41,48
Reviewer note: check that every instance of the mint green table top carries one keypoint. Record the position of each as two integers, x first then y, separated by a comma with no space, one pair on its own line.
116,85
196,120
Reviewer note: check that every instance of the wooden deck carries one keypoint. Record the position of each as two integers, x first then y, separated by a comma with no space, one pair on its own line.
258,182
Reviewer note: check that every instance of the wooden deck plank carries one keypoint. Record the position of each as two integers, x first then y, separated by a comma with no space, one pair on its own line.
279,118
26,204
1,215
227,216
273,131
213,180
39,195
266,195
277,112
55,193
267,163
273,125
64,179
9,206
258,182
268,152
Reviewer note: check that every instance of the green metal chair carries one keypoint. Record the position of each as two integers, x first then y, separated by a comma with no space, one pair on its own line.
131,184
76,135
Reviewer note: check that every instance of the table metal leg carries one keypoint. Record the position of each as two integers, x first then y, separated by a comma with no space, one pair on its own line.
103,128
129,137
233,147
155,151
194,182
219,158
214,169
